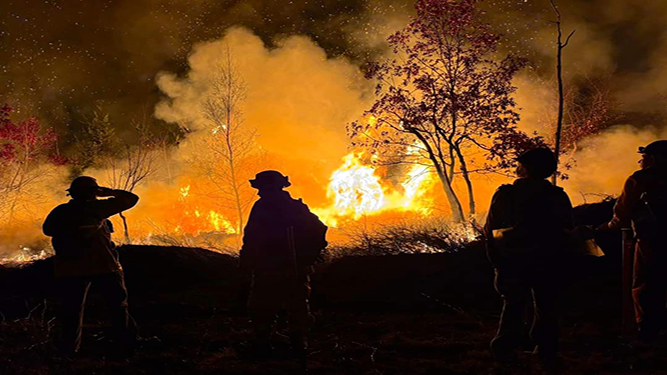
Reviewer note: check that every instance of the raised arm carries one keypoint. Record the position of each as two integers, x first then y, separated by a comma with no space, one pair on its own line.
120,201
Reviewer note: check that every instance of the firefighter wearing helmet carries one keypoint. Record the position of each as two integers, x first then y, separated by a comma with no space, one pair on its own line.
85,255
643,204
525,230
281,241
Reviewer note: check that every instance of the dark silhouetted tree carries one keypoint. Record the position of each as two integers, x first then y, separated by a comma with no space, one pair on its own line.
95,143
560,45
445,99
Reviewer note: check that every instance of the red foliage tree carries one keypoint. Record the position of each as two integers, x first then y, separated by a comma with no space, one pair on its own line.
447,95
24,148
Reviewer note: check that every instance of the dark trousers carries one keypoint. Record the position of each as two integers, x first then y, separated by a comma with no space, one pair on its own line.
271,293
649,287
73,293
518,286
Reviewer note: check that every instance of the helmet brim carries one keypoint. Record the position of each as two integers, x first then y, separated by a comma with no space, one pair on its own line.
82,188
264,184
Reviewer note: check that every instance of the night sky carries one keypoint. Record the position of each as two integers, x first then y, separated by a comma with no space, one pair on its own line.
59,59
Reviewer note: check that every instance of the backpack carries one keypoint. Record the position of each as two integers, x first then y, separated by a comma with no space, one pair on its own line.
651,217
527,236
83,225
306,235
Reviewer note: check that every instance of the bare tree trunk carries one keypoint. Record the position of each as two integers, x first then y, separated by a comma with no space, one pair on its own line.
239,212
454,202
234,183
466,178
559,120
559,73
453,159
125,228
237,198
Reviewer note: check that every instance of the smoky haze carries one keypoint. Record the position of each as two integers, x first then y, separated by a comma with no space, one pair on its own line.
58,59
298,99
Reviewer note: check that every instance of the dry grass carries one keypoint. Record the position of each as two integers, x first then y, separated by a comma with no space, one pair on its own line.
405,237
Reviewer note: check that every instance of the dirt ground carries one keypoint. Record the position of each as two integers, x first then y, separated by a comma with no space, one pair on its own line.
185,338
416,314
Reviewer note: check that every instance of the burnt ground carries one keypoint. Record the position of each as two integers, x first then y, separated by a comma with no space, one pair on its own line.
403,314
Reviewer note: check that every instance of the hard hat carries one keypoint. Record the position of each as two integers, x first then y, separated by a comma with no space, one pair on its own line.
657,148
270,179
539,162
83,183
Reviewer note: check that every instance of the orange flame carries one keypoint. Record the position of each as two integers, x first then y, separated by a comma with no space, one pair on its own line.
357,190
193,220
220,223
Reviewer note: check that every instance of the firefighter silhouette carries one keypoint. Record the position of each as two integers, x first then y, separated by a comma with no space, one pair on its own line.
525,231
643,203
85,255
281,241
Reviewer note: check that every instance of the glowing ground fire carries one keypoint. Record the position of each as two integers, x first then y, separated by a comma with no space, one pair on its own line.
193,220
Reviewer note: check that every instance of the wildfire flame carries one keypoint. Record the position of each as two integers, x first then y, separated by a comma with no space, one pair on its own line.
220,223
184,192
416,185
357,190
193,220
